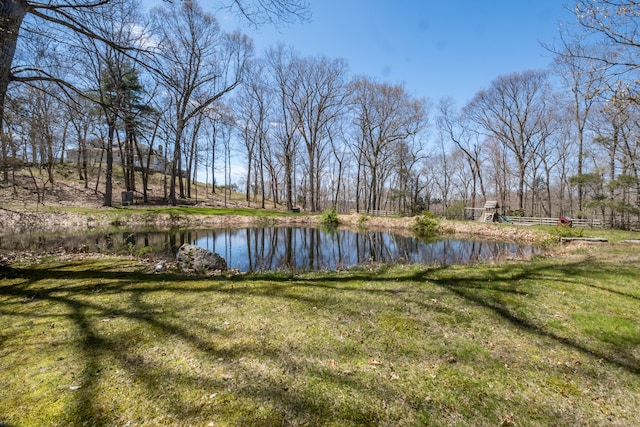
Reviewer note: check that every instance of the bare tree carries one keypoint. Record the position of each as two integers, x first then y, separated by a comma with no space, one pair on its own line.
317,104
514,111
53,16
191,149
385,116
600,64
443,169
586,79
252,106
286,130
339,150
81,119
43,131
198,64
567,158
222,121
618,137
49,17
56,20
10,144
152,125
468,141
113,83
548,159
613,24
261,12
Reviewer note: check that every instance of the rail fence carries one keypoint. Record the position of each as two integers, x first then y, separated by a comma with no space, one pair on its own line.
525,220
377,213
519,220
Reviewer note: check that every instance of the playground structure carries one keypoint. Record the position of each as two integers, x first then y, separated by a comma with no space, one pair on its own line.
489,213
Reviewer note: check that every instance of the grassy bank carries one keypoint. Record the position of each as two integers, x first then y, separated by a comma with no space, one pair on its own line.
69,219
105,341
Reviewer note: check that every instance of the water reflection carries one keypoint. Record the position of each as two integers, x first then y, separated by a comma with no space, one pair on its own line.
316,249
279,248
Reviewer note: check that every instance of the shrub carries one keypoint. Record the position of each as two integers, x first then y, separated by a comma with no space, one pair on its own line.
426,224
581,215
569,232
362,221
118,222
330,216
515,212
455,211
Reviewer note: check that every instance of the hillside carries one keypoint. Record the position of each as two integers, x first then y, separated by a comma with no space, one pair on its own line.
30,201
31,189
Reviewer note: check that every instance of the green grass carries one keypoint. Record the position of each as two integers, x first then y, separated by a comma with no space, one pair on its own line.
611,235
115,218
212,211
167,210
105,341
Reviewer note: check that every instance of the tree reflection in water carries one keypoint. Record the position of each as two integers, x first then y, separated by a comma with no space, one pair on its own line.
279,248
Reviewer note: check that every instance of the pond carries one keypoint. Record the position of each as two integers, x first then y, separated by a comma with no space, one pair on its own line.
277,248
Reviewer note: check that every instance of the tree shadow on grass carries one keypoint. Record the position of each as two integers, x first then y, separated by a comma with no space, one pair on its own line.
487,288
480,290
241,394
83,305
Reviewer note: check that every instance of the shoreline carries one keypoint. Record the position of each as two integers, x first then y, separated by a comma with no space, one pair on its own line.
14,222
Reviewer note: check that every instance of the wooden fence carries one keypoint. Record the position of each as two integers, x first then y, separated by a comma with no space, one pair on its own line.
519,220
524,220
376,213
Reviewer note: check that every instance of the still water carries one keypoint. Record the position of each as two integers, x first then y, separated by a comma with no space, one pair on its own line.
278,248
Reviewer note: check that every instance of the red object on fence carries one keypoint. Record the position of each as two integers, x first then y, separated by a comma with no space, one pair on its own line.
564,221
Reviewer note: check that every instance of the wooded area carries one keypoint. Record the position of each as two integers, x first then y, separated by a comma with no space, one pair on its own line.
105,84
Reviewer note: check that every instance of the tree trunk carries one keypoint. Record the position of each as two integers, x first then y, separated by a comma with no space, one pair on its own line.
12,12
312,177
5,142
64,142
145,162
175,164
612,171
248,185
262,186
521,180
288,180
108,175
358,181
580,161
213,159
85,160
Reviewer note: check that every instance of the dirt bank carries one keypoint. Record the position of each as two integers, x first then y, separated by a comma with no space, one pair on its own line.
502,232
16,222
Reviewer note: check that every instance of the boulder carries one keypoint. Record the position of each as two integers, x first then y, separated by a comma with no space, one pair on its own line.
192,258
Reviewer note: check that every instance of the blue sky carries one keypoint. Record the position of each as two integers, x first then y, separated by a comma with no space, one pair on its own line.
437,48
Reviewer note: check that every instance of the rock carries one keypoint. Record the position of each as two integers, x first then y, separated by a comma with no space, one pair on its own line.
192,258
159,267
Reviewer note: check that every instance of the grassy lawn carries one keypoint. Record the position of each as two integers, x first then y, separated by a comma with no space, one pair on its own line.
107,342
177,211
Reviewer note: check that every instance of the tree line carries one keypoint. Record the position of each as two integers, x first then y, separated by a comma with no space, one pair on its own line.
122,88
